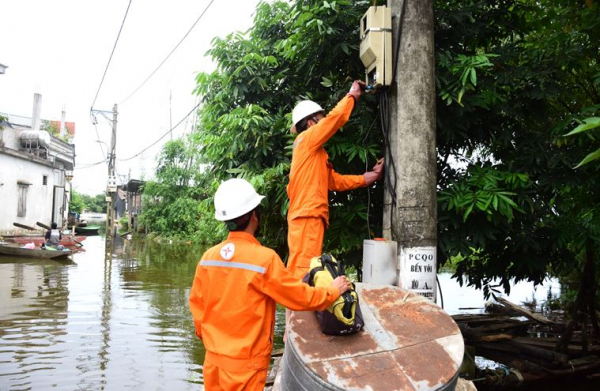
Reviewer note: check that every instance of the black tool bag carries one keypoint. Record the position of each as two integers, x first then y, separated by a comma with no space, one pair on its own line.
343,317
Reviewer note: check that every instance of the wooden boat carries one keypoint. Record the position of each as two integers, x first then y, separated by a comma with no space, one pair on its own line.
13,250
87,230
66,241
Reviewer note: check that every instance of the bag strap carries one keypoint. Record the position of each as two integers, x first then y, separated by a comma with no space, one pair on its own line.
327,262
336,270
311,275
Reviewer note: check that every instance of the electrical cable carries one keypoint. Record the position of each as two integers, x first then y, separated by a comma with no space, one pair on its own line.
100,141
390,173
169,55
368,188
398,39
384,109
89,165
163,136
440,288
111,55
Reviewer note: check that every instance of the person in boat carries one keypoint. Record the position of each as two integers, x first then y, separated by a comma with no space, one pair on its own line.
236,287
53,236
312,176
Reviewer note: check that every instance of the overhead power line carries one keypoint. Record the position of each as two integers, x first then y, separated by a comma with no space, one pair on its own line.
99,141
90,165
111,55
161,137
169,55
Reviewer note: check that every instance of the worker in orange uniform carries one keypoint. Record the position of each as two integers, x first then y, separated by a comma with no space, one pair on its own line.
236,287
312,175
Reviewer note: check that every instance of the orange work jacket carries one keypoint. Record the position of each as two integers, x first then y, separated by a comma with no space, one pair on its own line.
311,173
236,287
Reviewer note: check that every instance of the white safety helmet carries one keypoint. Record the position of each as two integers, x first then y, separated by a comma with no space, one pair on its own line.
302,110
234,198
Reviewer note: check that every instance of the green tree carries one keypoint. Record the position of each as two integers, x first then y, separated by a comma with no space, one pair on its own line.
587,125
176,204
77,202
515,208
303,50
85,202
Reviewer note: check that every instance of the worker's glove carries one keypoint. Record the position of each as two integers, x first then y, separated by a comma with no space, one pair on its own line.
376,174
357,89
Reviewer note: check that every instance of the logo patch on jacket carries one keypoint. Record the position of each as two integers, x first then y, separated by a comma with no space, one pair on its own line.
296,142
227,251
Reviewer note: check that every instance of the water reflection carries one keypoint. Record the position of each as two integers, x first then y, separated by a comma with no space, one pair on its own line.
100,323
463,299
33,318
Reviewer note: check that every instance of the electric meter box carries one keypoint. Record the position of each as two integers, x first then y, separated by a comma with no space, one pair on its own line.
111,187
380,262
376,45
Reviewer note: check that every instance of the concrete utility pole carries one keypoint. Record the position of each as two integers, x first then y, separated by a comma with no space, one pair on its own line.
412,219
111,187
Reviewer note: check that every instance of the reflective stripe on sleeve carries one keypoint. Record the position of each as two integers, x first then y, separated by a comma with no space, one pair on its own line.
235,265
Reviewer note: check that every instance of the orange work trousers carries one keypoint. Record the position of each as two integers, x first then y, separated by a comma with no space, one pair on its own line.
218,379
305,241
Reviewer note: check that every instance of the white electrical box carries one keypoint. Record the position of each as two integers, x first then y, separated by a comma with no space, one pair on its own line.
376,46
380,262
111,187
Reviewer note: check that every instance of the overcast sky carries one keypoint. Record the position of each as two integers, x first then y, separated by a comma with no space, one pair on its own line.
60,49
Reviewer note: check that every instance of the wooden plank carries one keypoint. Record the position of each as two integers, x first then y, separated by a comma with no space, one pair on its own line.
498,347
273,373
502,326
24,226
538,352
550,343
43,225
496,337
530,315
478,317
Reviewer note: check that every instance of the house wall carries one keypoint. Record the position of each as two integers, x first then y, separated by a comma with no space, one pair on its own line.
10,137
14,169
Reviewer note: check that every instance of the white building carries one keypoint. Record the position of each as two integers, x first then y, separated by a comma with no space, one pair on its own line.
35,171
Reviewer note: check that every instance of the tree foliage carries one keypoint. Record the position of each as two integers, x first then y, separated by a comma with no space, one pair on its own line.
513,77
175,204
83,202
304,50
77,203
515,207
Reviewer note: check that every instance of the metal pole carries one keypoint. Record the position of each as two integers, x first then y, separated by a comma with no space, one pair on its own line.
412,221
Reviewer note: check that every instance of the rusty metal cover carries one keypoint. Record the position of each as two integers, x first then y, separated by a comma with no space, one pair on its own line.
408,343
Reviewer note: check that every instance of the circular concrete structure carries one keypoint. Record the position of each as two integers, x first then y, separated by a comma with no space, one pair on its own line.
408,344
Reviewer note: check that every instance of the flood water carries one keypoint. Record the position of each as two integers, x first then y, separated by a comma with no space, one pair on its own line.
122,323
97,324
